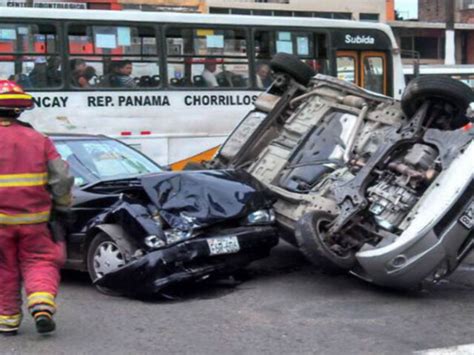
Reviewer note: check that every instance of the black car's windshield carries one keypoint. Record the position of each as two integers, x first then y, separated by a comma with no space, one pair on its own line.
91,160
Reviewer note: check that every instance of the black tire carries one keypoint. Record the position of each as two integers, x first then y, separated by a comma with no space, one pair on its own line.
98,240
293,66
439,88
309,234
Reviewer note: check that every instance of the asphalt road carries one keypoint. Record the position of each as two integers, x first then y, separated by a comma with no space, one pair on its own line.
285,307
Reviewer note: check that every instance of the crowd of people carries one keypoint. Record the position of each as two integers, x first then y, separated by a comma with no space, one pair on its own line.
46,73
119,75
211,78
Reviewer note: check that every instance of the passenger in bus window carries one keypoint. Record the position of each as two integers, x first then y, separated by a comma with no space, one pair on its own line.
77,70
81,73
90,76
53,72
122,75
264,79
84,78
38,76
210,67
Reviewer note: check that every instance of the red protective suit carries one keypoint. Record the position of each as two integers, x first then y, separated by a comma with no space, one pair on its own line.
27,250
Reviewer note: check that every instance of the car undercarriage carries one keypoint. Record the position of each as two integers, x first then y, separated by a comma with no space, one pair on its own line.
366,184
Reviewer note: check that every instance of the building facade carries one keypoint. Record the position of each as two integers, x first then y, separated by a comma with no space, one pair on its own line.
427,36
435,11
365,10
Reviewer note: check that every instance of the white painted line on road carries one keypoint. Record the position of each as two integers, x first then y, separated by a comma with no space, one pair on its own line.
466,267
467,349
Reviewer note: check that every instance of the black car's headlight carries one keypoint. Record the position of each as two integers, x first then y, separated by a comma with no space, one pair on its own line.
153,242
176,235
261,217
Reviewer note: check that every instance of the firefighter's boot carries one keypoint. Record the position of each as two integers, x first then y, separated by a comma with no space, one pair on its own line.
44,322
42,306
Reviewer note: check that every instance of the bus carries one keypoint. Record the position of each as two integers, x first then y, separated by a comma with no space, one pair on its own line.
464,72
173,84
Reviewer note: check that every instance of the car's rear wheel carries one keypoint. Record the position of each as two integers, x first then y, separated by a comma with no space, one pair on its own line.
454,94
293,66
318,247
104,256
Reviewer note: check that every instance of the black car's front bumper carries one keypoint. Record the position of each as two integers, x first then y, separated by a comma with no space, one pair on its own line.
189,260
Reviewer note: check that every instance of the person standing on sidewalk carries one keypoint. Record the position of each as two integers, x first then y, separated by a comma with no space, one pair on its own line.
32,177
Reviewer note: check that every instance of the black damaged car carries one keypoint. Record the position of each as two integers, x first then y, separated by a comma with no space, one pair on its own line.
138,230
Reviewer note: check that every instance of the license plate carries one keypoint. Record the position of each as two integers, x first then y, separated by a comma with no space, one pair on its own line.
467,219
223,245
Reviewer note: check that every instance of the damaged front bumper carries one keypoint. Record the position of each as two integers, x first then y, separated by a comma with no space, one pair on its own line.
439,237
192,260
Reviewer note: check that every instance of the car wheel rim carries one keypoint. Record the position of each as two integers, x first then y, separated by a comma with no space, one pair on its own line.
329,244
107,258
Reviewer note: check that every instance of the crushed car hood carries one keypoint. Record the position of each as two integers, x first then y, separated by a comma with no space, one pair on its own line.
195,199
190,201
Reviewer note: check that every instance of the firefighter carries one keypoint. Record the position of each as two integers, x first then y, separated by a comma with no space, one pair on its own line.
32,177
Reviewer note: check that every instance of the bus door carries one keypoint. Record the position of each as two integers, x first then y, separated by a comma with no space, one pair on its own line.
348,65
367,69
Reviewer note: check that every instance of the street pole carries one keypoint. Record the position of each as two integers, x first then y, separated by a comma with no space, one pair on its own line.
450,55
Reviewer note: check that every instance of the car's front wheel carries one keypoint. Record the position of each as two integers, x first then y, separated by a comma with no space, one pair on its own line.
452,96
290,64
319,247
104,256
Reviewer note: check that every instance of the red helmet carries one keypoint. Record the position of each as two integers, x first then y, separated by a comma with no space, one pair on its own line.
13,97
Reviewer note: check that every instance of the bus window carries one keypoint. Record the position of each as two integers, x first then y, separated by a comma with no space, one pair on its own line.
29,55
373,72
207,57
119,57
347,67
309,46
268,43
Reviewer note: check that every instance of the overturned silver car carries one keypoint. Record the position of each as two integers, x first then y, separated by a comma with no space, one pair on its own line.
366,184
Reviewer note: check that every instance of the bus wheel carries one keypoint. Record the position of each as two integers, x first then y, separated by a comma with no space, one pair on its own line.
293,66
455,95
